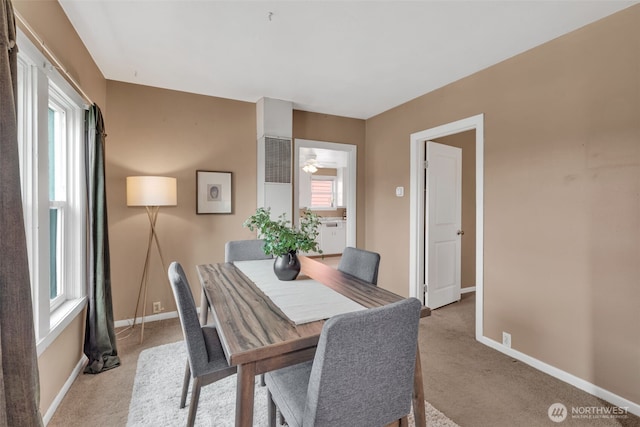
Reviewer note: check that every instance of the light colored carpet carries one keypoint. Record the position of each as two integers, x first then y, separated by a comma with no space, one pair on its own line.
158,382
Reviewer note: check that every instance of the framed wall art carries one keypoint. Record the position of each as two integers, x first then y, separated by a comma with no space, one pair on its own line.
213,192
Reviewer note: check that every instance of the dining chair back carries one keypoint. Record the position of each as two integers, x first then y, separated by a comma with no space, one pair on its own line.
206,361
360,263
244,250
362,373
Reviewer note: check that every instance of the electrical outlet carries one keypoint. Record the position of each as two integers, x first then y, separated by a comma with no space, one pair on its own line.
506,339
157,307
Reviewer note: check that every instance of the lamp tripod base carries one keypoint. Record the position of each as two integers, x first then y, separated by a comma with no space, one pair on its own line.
152,213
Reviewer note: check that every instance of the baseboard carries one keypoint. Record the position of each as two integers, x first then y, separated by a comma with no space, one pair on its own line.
586,386
147,319
467,289
63,391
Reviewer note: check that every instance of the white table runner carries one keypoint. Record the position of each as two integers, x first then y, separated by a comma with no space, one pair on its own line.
302,301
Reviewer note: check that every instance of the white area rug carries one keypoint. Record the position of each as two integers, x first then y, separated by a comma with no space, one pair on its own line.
155,399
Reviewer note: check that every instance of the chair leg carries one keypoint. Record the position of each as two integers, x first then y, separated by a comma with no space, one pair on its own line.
193,406
185,385
404,422
271,410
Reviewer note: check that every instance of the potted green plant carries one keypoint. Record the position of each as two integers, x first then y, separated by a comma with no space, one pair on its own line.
284,241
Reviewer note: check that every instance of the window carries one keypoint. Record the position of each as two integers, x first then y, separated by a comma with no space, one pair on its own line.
323,192
50,129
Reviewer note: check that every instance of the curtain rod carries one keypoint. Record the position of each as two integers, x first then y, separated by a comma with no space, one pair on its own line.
52,57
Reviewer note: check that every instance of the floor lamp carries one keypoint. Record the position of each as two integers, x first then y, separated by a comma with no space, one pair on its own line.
150,192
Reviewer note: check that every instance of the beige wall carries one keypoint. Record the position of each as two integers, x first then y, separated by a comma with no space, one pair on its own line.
48,20
561,194
467,142
58,361
163,132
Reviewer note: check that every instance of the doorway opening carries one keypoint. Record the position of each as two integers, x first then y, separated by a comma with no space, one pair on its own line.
417,215
327,171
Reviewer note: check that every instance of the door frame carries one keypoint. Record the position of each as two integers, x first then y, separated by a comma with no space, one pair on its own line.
352,174
417,214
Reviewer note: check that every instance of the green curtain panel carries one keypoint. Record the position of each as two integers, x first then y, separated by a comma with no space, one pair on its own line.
19,377
99,338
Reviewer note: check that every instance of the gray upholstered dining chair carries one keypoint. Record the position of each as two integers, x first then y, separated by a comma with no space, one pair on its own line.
360,263
362,373
244,250
235,250
206,362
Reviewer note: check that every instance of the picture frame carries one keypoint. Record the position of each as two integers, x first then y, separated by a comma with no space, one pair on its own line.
213,192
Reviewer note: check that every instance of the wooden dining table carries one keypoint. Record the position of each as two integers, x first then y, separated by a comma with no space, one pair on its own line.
258,337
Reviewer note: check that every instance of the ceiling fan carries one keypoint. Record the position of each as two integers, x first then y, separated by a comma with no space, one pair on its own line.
311,164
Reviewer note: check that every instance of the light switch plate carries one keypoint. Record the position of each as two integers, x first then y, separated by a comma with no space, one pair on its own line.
399,191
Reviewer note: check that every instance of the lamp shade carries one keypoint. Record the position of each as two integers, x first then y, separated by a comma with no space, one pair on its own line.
151,191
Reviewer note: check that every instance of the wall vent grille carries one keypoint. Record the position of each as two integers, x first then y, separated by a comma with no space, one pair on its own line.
277,160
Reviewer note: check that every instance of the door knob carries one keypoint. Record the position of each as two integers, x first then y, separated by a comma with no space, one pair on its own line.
460,233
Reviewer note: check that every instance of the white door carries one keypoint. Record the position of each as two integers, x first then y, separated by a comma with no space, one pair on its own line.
442,224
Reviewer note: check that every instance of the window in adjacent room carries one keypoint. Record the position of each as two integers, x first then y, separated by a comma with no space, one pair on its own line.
323,192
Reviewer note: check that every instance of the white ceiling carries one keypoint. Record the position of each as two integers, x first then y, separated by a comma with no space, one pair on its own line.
349,58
